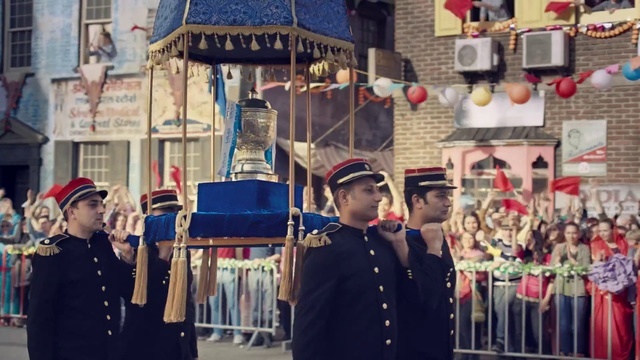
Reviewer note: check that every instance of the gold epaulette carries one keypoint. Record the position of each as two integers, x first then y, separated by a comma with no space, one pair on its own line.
49,247
319,238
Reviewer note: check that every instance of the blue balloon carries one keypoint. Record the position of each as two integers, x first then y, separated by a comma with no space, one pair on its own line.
629,73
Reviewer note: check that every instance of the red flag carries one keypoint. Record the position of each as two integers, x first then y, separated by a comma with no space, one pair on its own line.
558,7
53,191
568,185
501,181
459,8
176,175
156,172
532,78
555,81
514,205
584,76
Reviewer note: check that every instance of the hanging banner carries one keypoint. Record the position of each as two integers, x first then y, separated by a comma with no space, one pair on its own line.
584,148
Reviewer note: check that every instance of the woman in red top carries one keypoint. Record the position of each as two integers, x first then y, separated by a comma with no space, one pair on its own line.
603,247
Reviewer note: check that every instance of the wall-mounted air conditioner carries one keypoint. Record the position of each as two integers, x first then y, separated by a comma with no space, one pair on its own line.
476,55
545,49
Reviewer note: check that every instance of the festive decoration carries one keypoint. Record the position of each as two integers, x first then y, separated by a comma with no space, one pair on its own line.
517,268
501,181
383,87
606,31
558,7
518,93
565,87
417,94
459,8
601,80
630,73
342,76
449,97
513,38
513,205
568,185
481,96
474,29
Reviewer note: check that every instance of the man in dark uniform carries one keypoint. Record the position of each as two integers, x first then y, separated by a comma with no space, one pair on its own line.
144,334
77,283
347,304
426,327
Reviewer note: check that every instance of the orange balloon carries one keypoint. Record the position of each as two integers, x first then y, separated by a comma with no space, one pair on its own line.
342,76
518,93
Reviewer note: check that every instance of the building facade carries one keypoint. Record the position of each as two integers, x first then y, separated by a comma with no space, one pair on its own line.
533,154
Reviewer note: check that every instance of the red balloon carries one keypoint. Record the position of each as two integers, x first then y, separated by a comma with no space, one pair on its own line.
566,88
417,94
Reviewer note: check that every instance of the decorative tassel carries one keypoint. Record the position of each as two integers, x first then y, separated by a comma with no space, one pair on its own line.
286,280
47,250
330,55
313,240
316,52
203,42
172,284
165,57
242,41
300,46
266,40
278,44
180,44
297,273
250,77
174,50
228,45
229,75
254,44
178,312
213,273
216,40
203,278
142,270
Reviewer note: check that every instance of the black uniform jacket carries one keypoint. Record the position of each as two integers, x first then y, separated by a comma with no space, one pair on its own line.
145,334
347,304
426,328
74,310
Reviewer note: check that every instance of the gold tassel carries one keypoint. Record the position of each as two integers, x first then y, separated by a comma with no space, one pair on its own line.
178,312
203,278
330,56
313,240
278,43
228,45
287,268
300,46
316,52
213,273
229,75
174,50
297,273
142,269
172,284
203,42
180,43
266,39
254,43
47,250
165,57
216,40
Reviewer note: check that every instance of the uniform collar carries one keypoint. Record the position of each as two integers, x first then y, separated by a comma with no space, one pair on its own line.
355,231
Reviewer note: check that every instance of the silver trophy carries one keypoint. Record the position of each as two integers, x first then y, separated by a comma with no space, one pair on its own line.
257,134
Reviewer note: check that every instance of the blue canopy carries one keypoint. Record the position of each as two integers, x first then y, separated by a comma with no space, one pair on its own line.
254,32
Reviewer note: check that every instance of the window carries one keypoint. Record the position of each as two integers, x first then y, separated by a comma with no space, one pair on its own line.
18,29
479,182
96,30
496,11
368,30
603,11
173,157
93,163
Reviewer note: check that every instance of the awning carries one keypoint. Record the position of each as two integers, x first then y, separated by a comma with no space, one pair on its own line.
324,158
497,136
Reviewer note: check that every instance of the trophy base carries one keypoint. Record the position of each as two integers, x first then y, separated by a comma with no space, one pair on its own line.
253,170
255,176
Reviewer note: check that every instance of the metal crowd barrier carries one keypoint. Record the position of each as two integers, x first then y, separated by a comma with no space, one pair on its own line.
540,353
246,293
13,297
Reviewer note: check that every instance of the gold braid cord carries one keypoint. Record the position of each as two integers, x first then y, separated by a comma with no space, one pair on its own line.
142,269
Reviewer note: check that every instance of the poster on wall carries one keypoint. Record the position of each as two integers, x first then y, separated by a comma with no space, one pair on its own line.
500,112
612,197
584,148
121,113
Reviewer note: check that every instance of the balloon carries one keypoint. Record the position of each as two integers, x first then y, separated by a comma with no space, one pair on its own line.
481,96
518,93
629,73
382,87
449,97
342,76
566,88
417,94
601,79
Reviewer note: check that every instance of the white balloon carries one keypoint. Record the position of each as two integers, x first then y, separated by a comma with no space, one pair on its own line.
449,97
601,79
382,87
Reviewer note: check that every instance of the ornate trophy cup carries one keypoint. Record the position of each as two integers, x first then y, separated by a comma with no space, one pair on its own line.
256,135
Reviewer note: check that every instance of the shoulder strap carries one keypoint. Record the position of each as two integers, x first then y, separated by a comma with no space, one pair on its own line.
319,238
49,247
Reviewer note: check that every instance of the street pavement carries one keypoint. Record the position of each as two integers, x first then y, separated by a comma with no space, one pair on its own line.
13,346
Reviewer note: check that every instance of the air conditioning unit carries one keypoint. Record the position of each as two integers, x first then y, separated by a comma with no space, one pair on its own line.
545,49
476,55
